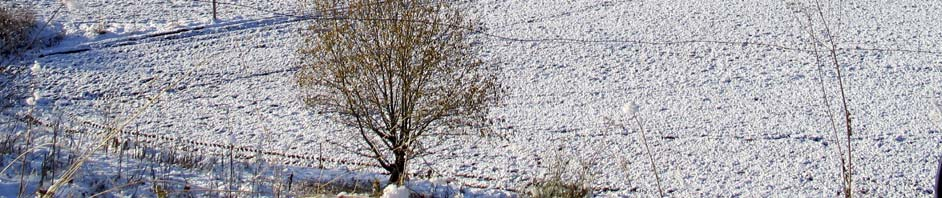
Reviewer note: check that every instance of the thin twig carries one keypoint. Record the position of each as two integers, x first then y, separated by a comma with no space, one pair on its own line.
847,115
827,103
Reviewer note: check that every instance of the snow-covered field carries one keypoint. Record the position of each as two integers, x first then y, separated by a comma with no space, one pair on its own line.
728,88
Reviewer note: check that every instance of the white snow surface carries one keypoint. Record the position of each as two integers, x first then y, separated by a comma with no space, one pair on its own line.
727,119
393,191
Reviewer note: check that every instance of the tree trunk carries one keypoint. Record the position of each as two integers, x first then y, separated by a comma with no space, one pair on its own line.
397,173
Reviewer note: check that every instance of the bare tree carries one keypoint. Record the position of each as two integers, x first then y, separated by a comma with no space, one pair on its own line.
400,74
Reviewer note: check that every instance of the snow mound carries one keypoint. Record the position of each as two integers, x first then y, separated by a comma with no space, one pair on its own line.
393,191
351,195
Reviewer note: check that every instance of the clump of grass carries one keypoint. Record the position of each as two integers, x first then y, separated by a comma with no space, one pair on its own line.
566,178
16,25
337,187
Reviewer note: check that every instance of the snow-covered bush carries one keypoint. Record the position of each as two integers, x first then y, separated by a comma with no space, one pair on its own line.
16,25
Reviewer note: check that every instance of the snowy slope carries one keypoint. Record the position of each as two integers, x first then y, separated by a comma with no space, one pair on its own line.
727,118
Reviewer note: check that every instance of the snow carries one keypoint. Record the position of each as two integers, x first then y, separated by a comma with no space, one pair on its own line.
630,109
31,101
393,191
733,119
935,114
36,68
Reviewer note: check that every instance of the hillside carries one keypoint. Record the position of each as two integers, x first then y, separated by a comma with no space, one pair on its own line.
730,91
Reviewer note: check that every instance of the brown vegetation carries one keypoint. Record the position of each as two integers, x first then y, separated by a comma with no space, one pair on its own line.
398,74
16,24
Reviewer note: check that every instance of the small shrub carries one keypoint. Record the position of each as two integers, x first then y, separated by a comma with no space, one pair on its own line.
16,24
565,178
403,77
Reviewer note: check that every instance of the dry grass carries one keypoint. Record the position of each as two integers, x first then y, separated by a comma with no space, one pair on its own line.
109,136
16,25
334,187
19,32
566,177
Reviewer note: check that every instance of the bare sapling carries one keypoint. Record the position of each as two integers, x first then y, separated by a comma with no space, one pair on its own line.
400,75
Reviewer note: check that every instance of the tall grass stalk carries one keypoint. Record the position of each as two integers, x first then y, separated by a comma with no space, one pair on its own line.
27,139
845,152
647,148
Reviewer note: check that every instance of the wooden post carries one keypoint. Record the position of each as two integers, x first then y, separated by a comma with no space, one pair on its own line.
214,10
938,180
